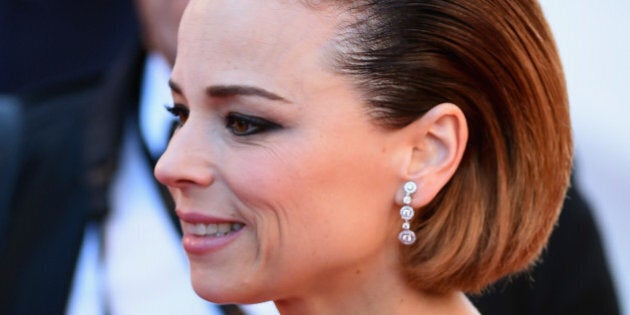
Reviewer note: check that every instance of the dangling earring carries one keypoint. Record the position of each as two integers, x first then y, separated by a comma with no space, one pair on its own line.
406,236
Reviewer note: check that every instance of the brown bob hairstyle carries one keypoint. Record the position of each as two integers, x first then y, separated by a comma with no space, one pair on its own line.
497,61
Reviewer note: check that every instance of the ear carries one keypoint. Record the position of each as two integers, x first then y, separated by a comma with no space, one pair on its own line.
435,146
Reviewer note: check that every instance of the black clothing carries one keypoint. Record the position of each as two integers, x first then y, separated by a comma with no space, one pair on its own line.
70,141
47,41
571,279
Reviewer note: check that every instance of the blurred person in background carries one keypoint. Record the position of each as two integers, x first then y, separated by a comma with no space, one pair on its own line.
572,276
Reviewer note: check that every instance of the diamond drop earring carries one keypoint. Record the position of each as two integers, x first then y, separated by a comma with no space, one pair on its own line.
406,236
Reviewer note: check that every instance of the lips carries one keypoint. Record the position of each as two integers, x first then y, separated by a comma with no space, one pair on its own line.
204,234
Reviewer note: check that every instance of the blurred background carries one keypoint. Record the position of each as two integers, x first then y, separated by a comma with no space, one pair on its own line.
592,37
594,42
47,41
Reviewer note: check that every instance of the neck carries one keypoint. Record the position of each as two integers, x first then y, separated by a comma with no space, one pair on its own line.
370,293
373,285
454,303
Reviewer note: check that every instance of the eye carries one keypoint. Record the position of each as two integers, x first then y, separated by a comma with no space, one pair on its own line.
245,125
180,112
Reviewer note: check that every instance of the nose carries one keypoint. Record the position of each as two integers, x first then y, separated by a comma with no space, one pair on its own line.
186,161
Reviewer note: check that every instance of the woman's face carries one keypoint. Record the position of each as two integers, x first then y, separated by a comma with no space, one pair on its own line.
277,150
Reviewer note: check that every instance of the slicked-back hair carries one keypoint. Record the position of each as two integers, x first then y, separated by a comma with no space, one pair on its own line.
497,61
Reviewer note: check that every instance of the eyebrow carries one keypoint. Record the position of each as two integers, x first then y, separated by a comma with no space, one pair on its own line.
244,90
223,91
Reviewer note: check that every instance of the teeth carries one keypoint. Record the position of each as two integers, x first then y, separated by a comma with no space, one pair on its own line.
224,228
212,229
199,229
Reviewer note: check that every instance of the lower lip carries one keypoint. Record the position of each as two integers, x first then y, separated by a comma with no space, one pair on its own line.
201,245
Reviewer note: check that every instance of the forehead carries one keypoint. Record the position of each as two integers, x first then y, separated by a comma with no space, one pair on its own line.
229,36
255,15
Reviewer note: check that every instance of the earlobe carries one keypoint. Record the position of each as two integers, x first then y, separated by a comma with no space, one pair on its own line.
438,140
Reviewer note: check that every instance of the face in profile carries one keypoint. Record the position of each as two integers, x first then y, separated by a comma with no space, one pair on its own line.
283,184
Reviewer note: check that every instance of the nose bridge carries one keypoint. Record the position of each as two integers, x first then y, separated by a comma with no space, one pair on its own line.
188,159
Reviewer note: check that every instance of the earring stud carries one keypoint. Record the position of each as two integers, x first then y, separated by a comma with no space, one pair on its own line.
406,236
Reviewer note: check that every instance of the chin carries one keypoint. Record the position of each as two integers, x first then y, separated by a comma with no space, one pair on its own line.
215,287
217,295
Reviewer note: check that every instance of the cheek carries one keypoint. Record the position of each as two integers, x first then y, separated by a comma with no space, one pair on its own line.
323,191
266,179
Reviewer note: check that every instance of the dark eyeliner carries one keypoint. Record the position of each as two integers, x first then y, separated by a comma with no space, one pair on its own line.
251,124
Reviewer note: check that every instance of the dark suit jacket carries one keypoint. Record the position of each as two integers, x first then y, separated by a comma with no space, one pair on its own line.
42,40
10,132
69,148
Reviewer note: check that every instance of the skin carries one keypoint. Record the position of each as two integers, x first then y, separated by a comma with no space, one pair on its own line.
318,193
159,22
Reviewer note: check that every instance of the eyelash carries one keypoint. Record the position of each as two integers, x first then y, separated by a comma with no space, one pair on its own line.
238,124
180,112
